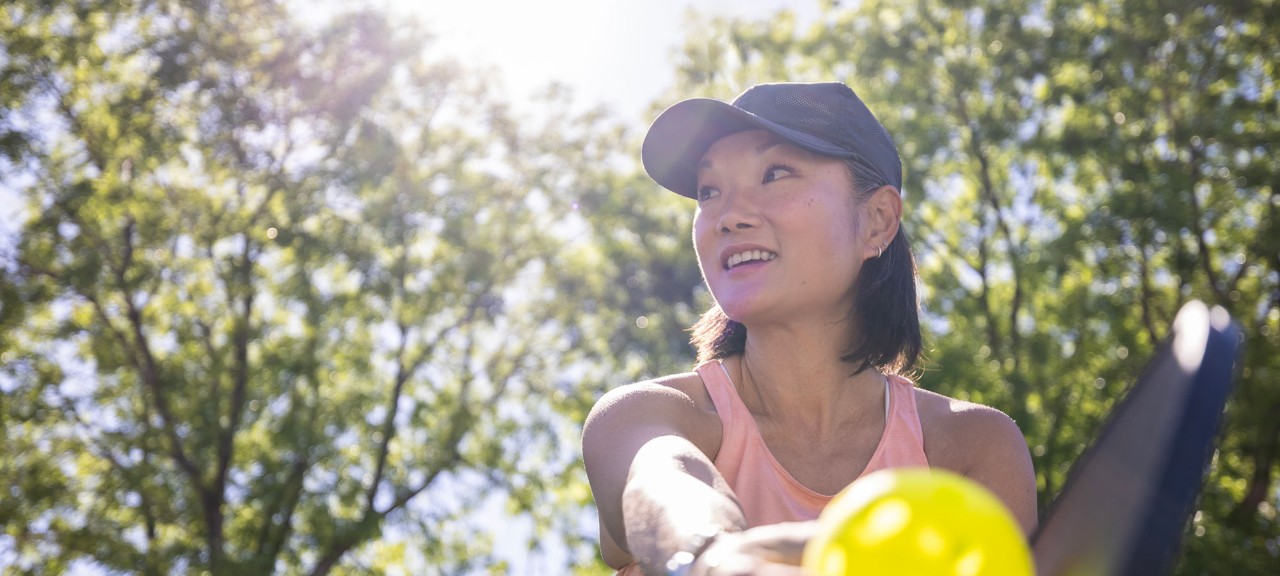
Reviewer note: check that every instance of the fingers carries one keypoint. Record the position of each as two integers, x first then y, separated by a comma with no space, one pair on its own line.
781,543
769,550
755,569
740,564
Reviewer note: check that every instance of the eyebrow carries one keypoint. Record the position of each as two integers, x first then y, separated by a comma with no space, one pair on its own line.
772,141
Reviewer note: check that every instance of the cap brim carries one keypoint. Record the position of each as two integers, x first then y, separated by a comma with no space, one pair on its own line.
681,135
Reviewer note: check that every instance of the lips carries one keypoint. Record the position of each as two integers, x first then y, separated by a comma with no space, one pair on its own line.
737,256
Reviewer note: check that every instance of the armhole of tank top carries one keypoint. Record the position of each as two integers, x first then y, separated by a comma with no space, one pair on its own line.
888,391
726,414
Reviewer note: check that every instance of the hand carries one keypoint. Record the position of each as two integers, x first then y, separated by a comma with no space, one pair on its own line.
773,550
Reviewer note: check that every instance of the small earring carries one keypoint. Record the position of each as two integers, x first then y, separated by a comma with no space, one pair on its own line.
880,249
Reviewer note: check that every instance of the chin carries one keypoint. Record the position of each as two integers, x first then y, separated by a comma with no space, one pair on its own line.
741,310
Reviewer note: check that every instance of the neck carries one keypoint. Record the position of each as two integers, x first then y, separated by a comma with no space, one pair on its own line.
794,377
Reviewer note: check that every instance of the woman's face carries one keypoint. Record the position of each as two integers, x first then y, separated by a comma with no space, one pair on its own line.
776,230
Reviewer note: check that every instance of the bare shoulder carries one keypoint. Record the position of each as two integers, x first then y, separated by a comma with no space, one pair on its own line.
673,394
982,443
690,384
957,431
677,404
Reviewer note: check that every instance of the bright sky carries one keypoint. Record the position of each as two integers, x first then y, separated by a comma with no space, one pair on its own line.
616,52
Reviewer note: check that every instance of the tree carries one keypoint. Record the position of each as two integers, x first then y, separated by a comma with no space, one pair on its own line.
281,301
1071,180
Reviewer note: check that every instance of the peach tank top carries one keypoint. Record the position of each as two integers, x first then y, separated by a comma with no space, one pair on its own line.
767,492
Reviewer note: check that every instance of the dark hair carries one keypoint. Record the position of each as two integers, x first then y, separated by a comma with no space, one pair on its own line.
888,312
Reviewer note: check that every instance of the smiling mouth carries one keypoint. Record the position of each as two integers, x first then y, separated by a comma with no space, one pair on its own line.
748,257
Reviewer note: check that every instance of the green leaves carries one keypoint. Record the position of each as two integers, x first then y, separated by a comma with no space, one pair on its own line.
279,286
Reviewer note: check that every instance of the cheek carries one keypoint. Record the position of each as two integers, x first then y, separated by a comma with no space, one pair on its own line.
703,241
836,237
845,217
855,215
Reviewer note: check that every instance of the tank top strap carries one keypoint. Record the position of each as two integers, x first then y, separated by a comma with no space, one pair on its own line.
715,377
903,440
904,392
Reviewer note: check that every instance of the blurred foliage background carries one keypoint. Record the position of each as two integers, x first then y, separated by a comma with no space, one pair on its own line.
303,298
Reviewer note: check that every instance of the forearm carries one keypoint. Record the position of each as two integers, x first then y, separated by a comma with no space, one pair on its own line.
673,496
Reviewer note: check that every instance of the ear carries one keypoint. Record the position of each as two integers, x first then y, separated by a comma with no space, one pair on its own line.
882,214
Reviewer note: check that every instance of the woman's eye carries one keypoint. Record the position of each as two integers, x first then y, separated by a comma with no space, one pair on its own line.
775,172
706,193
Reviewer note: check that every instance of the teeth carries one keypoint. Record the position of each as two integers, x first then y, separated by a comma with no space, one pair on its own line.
750,256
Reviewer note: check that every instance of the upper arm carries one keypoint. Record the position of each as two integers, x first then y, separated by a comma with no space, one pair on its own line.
1000,461
983,444
622,424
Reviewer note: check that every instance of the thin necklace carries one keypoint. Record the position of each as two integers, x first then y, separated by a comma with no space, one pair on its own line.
749,382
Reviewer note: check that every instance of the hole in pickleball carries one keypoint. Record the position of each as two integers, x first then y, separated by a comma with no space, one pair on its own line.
884,520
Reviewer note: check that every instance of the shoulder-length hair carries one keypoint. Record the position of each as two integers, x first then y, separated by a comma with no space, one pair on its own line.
886,305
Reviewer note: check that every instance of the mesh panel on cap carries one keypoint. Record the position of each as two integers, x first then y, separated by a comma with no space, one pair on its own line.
813,113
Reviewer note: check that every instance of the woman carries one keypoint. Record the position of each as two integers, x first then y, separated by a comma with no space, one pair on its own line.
798,391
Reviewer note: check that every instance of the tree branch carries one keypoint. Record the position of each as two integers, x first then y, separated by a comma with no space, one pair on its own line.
1259,485
1202,243
271,543
388,425
1144,272
127,473
150,374
240,376
402,375
988,189
448,455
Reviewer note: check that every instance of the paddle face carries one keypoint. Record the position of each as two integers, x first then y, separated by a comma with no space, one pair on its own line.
917,521
1128,498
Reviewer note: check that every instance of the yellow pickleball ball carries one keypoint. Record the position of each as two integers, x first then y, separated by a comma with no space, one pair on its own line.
917,521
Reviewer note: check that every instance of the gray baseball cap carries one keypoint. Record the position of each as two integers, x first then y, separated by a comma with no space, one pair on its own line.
826,118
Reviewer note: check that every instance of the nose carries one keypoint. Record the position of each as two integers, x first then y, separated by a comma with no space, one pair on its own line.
738,214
